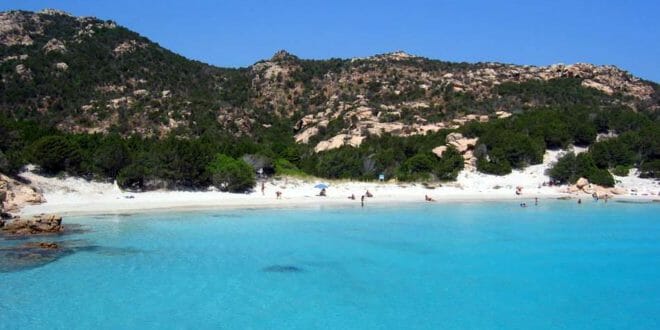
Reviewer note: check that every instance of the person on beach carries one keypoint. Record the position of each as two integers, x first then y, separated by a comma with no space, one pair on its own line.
322,193
368,194
263,188
428,199
352,197
362,200
278,194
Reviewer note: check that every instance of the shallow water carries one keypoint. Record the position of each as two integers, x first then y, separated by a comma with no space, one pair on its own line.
426,266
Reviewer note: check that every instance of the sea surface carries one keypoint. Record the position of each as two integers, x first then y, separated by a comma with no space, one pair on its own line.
557,265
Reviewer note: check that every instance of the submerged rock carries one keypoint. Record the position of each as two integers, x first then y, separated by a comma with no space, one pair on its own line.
37,254
282,269
30,255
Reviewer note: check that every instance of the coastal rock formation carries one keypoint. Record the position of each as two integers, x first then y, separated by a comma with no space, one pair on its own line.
582,185
18,194
40,224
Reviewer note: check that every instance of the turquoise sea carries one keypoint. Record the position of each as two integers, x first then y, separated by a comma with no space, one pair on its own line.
496,265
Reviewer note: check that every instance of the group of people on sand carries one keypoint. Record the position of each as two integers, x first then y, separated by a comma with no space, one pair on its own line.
366,194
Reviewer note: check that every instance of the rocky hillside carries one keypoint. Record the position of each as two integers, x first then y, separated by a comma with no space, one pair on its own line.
82,74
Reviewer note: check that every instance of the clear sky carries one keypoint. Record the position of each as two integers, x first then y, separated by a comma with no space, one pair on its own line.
238,33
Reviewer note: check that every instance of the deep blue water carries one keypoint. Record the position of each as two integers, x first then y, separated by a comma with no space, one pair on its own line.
558,265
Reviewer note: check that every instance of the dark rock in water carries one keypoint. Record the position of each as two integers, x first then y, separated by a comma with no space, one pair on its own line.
36,254
42,245
40,224
282,269
30,255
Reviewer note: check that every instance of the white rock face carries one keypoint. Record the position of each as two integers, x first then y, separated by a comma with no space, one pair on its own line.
127,47
601,87
439,151
61,66
54,45
12,30
24,72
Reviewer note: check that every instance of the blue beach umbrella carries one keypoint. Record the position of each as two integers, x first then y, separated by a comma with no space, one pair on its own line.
321,186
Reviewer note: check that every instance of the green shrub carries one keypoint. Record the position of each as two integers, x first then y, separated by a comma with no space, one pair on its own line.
650,169
417,168
344,162
494,163
600,176
285,167
229,174
132,177
111,156
565,169
55,154
449,165
570,168
621,170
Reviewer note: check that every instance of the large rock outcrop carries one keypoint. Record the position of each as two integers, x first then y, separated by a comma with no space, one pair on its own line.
40,224
582,185
463,145
18,194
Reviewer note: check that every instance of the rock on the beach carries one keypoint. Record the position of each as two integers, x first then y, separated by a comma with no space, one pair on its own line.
18,194
618,191
581,183
41,224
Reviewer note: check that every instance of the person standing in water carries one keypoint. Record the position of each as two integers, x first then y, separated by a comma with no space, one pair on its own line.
362,200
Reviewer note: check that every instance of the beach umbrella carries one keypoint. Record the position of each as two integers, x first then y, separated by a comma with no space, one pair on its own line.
321,186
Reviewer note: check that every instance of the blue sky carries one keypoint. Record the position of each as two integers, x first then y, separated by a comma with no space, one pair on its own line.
239,33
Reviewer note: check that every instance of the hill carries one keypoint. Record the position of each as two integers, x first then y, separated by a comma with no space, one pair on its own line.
335,118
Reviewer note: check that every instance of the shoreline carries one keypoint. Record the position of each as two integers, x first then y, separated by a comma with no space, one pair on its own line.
299,195
76,196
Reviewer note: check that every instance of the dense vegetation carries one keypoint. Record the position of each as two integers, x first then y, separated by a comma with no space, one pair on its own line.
190,125
504,144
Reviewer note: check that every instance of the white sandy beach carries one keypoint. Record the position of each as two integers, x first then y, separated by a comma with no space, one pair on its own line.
71,196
